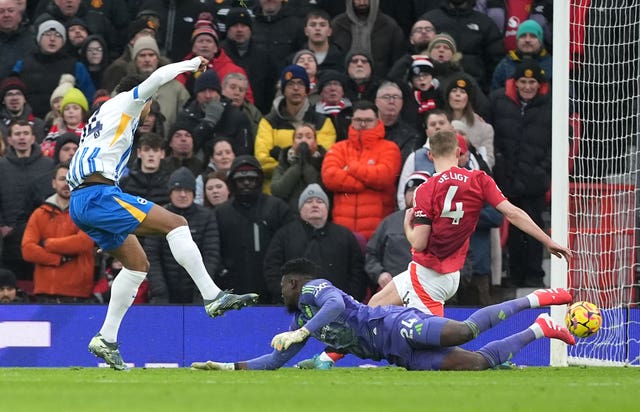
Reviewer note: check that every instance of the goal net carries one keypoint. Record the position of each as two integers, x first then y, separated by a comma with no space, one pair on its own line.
602,50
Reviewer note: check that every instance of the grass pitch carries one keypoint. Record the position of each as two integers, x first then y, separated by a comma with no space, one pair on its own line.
340,389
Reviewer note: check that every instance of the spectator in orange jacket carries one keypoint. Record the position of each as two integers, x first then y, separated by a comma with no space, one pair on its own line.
62,253
362,172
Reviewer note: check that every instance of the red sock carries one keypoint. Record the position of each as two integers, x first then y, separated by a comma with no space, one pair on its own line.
335,356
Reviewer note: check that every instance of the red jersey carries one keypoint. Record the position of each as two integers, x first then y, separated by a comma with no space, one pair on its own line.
452,201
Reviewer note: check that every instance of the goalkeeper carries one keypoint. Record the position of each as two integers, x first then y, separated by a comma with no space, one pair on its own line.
404,337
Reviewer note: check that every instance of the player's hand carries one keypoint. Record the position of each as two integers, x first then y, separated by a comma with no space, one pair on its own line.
203,64
384,278
213,366
282,341
408,217
560,251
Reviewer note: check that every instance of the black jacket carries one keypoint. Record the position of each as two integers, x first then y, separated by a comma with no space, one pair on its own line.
168,281
477,38
522,142
151,186
233,125
333,248
246,227
260,71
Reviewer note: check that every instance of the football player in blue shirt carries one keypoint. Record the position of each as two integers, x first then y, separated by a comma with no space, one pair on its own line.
113,218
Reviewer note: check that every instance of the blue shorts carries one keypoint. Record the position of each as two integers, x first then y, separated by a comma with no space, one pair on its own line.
107,214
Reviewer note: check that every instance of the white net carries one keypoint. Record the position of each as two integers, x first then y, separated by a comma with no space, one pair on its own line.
603,174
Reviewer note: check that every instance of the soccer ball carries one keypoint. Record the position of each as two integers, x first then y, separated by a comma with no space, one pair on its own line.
583,319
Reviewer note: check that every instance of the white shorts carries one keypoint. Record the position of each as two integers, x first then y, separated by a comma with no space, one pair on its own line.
425,289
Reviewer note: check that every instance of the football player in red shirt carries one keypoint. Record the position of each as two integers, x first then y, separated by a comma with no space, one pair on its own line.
445,213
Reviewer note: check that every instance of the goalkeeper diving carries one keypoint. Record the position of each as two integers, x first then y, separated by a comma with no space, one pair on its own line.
405,337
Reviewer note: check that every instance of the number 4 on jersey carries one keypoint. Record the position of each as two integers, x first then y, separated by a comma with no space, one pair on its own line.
456,214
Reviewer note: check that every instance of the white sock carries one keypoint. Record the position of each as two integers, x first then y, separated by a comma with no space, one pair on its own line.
187,254
533,300
537,330
123,292
324,357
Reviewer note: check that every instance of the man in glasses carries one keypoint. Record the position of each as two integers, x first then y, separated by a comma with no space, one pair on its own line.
362,172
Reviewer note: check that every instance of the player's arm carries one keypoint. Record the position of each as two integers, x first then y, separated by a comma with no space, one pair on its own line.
520,219
164,74
330,305
417,229
269,361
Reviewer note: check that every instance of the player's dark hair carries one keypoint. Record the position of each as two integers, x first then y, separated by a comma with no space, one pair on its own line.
300,267
129,82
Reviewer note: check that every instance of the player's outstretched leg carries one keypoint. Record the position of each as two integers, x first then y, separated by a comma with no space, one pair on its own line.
107,351
500,351
228,301
548,297
550,329
489,316
187,254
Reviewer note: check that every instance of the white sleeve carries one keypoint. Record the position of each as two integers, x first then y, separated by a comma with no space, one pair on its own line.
162,75
407,169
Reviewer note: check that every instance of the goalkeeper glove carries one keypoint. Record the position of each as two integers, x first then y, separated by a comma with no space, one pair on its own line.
282,341
213,366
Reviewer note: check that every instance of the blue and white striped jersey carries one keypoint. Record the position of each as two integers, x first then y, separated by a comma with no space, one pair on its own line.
107,138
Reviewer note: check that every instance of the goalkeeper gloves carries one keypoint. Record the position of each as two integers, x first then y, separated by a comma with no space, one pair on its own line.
213,366
282,341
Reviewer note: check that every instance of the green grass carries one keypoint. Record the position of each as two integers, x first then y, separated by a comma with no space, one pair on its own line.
340,389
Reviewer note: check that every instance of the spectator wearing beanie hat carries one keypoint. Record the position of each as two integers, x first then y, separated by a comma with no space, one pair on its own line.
14,107
257,62
180,150
254,213
205,43
458,95
77,32
172,95
388,250
212,115
141,27
445,58
9,292
521,120
529,45
362,83
45,65
276,129
74,109
307,59
424,95
168,281
333,103
331,246
477,37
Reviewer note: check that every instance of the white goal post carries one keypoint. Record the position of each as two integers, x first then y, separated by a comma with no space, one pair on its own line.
596,121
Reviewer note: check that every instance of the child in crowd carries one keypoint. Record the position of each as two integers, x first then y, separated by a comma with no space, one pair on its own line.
74,109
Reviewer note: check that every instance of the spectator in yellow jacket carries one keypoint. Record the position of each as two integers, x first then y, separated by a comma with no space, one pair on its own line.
276,129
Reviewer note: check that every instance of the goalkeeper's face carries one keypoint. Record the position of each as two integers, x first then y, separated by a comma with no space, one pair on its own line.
290,290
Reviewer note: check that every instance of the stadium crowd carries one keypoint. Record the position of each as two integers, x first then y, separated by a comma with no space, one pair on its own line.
304,138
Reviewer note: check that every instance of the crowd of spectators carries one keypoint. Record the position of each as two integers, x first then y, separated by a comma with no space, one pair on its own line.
302,138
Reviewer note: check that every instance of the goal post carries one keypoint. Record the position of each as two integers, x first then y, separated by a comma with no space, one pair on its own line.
596,114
